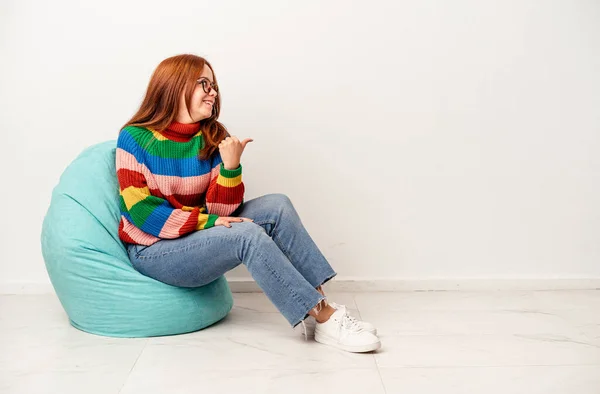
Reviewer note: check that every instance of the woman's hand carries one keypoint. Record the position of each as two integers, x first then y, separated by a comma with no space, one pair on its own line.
227,220
231,150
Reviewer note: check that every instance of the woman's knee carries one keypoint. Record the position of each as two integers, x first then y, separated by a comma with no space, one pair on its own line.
278,200
247,230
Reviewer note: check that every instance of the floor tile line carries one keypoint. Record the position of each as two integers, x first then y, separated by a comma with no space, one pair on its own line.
133,366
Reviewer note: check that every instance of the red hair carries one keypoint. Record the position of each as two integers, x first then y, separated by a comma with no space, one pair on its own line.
160,106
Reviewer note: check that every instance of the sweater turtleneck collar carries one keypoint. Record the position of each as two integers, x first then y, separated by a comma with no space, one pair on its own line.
181,132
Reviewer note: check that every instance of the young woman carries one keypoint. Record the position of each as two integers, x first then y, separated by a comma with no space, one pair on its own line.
183,216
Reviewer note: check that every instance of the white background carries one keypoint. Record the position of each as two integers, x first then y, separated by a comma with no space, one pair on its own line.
417,139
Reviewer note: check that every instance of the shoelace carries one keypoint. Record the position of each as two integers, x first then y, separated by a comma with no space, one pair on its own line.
355,320
340,306
350,323
304,330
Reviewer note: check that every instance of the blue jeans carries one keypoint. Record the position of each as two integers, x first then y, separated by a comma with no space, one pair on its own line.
275,248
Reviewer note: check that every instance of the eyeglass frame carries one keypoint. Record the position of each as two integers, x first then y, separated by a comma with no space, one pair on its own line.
213,86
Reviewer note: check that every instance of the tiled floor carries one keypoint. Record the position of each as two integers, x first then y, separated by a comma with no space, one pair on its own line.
433,342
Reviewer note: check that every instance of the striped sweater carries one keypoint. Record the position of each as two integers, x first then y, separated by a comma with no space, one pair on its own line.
165,190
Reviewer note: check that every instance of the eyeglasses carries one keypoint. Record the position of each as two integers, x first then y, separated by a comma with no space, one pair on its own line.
207,85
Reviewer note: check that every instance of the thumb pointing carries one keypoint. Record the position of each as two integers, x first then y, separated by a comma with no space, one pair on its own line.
246,141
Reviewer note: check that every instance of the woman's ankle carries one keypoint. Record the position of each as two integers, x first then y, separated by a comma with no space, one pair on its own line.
324,314
320,290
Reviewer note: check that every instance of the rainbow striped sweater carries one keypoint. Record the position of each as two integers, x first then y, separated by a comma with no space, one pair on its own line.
165,189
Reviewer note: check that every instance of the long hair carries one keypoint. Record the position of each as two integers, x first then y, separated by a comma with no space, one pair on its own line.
160,106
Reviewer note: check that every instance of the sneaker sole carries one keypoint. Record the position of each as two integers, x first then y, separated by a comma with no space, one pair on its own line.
311,333
369,347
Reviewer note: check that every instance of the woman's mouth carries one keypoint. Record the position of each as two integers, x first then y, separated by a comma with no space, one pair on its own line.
209,103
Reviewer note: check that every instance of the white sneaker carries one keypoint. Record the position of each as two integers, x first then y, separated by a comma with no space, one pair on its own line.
309,324
366,326
343,332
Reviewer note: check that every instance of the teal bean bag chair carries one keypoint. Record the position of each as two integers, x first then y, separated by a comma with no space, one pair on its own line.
90,270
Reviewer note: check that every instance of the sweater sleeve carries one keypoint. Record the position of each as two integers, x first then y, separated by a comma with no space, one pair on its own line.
226,190
151,214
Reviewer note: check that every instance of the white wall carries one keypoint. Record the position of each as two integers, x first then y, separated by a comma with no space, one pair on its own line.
417,139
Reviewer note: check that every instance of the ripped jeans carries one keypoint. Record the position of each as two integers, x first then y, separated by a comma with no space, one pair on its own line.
276,249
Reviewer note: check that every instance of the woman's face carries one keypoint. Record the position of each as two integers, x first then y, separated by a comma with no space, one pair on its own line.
202,103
